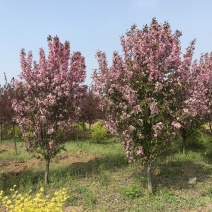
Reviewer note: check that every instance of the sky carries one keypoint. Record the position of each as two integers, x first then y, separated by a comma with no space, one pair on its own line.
92,25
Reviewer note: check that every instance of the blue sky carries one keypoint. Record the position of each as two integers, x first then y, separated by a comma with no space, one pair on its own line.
92,25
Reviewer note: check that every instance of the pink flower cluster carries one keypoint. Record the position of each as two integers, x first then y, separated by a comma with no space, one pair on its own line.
193,85
140,89
51,91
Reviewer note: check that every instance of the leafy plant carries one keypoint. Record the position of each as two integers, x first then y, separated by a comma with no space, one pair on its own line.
17,131
98,132
38,203
131,191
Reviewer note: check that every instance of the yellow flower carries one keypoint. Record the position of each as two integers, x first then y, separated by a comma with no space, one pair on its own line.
37,203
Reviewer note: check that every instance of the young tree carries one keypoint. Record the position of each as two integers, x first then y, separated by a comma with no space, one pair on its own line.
138,91
90,110
184,84
201,100
2,112
193,89
51,90
7,93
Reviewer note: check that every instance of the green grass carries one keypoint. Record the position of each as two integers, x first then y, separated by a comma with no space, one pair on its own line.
100,178
10,154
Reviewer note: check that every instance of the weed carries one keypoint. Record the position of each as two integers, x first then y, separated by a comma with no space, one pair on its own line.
131,191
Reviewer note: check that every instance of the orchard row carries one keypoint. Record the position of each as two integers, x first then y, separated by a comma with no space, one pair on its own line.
147,96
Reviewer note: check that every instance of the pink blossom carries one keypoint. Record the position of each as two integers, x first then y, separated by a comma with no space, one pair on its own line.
131,128
145,83
139,151
185,110
50,131
49,88
110,91
154,108
177,125
51,144
158,86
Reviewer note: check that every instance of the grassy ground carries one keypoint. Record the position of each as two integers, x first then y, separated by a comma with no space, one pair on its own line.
99,178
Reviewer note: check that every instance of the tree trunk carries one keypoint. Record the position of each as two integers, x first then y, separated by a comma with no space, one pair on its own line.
210,127
149,178
83,126
1,132
184,136
77,133
14,139
47,171
184,143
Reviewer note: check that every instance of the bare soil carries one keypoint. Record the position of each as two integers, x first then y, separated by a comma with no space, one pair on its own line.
18,166
14,168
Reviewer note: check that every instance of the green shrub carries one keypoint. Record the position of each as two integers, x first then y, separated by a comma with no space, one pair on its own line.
17,132
8,131
208,146
98,133
131,191
196,138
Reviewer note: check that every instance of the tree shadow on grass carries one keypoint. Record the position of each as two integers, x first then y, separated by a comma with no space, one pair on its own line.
97,165
33,179
208,156
175,174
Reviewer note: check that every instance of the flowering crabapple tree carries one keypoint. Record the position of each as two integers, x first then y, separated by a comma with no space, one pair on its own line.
90,108
201,100
185,81
193,85
138,91
6,111
52,89
7,93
